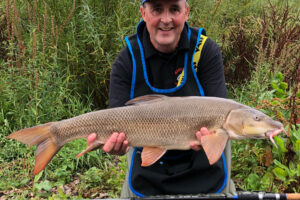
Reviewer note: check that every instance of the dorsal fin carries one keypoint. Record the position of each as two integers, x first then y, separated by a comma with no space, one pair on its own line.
145,99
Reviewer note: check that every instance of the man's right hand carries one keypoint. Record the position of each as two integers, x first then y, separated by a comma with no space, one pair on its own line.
116,143
203,132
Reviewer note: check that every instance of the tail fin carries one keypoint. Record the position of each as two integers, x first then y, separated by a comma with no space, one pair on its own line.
47,147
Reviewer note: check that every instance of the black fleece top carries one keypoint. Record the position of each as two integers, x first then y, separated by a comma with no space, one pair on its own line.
163,69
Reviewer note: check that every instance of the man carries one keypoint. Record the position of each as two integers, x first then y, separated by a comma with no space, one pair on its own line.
168,57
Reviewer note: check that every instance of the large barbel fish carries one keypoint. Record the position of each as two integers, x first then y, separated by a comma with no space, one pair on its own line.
158,123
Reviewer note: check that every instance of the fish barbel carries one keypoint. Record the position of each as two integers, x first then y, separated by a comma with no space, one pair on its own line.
158,123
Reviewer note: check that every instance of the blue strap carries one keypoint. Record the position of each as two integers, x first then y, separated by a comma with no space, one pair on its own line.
130,173
171,90
133,68
226,175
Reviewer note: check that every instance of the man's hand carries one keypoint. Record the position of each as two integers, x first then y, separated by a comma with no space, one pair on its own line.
116,143
203,132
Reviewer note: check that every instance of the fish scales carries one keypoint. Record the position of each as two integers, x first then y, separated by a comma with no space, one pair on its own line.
161,124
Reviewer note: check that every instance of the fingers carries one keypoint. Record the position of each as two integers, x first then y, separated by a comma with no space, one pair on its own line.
91,138
125,147
203,132
195,146
116,144
110,143
119,142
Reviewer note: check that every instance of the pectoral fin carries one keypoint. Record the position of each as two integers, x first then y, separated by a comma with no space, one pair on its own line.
93,146
151,154
214,145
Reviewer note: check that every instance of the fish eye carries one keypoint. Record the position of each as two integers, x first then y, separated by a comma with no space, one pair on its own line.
257,118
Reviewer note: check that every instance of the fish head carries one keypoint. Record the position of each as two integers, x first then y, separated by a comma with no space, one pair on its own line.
251,123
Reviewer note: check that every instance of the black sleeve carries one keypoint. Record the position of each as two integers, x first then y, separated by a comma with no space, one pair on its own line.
120,79
211,71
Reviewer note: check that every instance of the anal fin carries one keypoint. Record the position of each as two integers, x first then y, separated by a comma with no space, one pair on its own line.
151,154
214,145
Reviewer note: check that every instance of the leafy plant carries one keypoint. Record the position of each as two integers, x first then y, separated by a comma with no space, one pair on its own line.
279,86
282,163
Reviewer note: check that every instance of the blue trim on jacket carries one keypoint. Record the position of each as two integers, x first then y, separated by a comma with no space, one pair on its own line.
129,177
226,175
133,70
163,91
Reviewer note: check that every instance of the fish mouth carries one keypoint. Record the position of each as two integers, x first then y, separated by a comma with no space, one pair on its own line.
271,133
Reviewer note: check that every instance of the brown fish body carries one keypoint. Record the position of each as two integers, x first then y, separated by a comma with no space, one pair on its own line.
159,124
171,124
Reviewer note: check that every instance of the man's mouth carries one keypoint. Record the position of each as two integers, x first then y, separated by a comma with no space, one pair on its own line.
166,29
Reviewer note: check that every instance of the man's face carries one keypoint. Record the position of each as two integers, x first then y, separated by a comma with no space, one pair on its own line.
165,21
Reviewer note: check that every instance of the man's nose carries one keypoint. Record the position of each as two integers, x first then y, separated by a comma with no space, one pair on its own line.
166,17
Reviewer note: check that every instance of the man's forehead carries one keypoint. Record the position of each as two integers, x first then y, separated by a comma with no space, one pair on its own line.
160,1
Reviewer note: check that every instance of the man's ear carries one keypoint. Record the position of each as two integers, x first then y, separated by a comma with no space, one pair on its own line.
142,10
187,11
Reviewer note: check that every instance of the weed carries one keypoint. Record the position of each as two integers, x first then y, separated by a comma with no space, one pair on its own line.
269,38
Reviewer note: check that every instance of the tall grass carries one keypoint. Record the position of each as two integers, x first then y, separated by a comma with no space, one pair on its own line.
56,65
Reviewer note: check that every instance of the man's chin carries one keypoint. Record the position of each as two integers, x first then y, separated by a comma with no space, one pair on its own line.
165,44
166,41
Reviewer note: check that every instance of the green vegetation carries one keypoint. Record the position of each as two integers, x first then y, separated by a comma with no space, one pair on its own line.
257,165
55,60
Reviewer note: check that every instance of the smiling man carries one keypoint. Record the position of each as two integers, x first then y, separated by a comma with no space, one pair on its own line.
165,21
168,57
